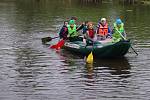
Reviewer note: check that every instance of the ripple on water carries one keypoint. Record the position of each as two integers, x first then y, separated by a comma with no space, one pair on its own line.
31,71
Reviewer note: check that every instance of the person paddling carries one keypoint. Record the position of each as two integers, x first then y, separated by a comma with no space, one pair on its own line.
103,30
72,31
63,32
118,28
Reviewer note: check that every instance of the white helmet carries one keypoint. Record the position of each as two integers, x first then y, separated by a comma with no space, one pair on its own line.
103,19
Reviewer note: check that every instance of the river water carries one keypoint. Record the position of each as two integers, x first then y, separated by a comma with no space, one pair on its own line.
30,70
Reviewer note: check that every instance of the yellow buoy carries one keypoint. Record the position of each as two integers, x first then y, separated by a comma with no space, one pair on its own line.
90,58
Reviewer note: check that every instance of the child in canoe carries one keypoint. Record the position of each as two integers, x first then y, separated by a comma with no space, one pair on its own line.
90,35
63,31
118,32
103,30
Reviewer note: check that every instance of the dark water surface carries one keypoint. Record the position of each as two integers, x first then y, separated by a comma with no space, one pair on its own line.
31,71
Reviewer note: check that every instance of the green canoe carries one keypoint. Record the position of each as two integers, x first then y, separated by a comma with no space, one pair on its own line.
100,50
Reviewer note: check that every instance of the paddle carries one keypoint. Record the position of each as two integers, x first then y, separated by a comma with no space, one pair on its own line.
89,59
90,56
126,39
47,39
61,42
58,45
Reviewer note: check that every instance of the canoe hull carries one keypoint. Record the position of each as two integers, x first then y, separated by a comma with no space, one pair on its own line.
107,50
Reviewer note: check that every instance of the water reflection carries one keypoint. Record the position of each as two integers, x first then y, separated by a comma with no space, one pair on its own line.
116,66
106,77
31,71
107,69
89,68
120,66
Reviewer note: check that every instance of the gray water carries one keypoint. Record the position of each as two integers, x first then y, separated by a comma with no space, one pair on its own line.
30,70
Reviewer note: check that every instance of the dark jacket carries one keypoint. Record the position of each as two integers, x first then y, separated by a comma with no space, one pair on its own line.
63,32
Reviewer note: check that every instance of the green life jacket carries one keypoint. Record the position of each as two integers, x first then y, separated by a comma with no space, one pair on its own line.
121,29
72,32
116,35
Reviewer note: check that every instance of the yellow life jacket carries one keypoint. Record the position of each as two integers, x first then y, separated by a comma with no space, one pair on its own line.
116,35
121,29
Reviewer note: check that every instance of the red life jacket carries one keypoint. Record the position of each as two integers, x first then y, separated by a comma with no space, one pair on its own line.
103,30
91,33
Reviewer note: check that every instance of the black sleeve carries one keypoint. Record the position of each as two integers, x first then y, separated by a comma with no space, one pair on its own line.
60,33
80,27
63,32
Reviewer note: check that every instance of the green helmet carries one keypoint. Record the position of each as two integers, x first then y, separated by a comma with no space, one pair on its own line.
72,22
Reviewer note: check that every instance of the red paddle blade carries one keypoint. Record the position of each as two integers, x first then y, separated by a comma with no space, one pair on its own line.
53,46
58,45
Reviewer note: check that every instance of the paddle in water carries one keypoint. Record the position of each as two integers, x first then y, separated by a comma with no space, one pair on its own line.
48,39
59,45
122,17
90,58
126,39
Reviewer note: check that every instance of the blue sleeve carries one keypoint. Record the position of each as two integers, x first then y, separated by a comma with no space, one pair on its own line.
109,30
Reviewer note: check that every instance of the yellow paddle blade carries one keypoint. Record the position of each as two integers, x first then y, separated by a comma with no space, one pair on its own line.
90,58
